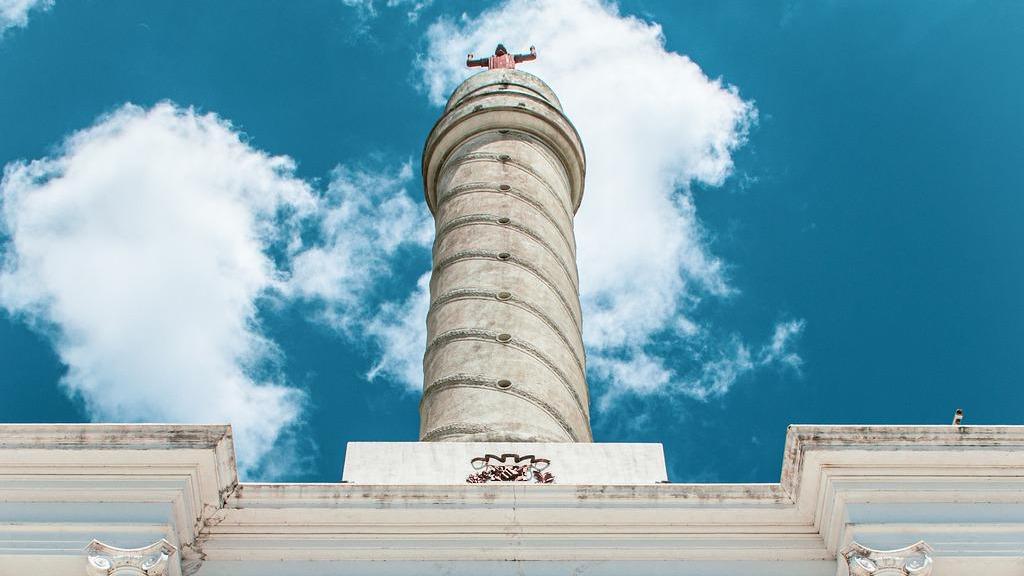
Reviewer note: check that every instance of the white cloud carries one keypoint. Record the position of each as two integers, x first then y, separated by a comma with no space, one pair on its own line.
146,245
14,13
652,124
400,329
413,7
365,8
141,248
365,217
778,350
716,366
368,8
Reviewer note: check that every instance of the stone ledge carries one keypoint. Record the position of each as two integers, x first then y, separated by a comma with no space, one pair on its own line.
448,463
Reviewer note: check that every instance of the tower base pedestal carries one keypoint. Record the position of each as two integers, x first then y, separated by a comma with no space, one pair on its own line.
503,462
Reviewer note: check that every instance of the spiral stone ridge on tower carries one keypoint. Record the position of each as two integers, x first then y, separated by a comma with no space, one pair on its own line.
503,172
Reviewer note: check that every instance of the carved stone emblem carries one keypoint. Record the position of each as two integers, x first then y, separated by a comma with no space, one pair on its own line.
107,560
913,560
510,468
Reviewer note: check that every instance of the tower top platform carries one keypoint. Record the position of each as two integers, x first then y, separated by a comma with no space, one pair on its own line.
503,79
510,100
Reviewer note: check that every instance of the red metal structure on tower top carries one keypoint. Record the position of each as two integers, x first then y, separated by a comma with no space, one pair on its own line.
501,59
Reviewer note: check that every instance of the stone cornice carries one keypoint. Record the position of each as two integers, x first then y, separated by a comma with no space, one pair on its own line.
804,439
959,489
118,436
133,483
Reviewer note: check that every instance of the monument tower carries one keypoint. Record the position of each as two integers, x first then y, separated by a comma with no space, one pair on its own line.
505,395
503,173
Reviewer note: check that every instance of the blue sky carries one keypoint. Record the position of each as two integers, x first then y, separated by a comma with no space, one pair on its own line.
797,212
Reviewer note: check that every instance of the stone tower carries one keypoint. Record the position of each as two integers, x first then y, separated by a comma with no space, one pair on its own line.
505,394
503,173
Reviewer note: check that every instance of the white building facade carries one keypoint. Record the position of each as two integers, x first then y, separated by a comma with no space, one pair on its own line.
949,501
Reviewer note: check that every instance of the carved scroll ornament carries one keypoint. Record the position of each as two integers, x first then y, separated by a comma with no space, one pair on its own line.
913,560
510,468
105,560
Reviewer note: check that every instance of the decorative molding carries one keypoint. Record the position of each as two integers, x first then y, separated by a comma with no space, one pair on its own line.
510,468
451,164
537,272
563,225
442,433
523,346
575,345
106,560
914,560
492,220
483,382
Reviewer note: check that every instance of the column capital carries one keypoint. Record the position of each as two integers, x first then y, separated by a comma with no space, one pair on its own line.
914,560
106,560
